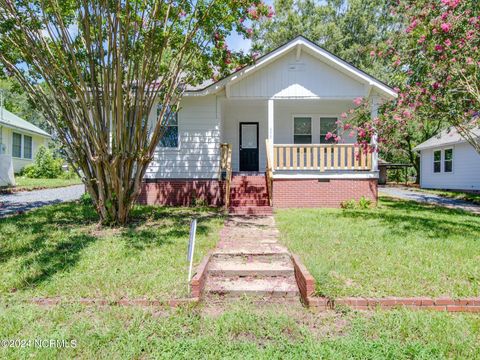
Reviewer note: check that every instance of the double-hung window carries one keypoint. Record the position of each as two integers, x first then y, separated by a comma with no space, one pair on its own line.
170,135
327,125
27,147
448,160
17,145
302,130
437,161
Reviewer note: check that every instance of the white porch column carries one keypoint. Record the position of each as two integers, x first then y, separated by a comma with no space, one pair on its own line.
374,142
270,125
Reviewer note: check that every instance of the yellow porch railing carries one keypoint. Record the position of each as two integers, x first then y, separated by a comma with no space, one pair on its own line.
226,166
322,157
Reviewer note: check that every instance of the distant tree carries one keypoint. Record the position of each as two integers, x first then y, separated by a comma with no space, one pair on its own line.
96,68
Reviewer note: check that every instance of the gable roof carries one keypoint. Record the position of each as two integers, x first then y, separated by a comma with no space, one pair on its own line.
299,43
11,120
448,136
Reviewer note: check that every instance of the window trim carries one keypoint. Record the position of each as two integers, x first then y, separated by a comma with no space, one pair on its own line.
311,128
165,148
439,161
320,127
444,160
31,147
315,124
21,145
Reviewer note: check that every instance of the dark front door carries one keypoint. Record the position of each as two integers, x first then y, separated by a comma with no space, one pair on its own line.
249,146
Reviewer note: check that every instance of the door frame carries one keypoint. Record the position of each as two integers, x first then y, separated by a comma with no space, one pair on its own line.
240,143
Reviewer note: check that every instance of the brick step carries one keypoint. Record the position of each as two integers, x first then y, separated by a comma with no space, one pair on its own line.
250,266
249,202
246,188
251,210
251,286
255,255
259,196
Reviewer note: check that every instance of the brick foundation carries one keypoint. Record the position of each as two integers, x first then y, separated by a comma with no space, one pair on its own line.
321,193
182,192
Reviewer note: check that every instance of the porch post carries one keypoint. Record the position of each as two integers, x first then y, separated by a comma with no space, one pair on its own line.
270,126
374,142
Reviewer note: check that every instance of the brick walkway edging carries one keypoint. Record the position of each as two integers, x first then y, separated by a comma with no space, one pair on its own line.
306,285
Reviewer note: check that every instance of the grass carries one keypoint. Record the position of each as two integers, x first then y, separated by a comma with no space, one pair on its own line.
58,251
27,184
399,248
473,197
241,331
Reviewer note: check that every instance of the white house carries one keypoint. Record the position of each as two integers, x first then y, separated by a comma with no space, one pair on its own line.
19,143
292,97
448,161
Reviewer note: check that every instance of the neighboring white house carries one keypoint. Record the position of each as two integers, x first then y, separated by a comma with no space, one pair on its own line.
292,96
448,161
19,142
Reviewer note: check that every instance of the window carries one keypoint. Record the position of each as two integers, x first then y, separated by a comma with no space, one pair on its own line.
170,136
327,125
302,130
448,160
27,147
17,145
437,161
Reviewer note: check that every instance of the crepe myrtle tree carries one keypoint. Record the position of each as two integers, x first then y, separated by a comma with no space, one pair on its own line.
96,68
435,66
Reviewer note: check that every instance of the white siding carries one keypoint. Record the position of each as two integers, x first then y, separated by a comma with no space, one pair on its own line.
198,152
20,163
306,78
466,169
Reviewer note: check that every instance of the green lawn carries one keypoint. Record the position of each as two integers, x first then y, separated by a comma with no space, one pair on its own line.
399,248
452,194
241,331
59,251
24,183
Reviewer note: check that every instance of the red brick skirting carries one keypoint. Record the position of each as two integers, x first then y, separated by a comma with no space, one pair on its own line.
321,192
182,192
306,286
198,280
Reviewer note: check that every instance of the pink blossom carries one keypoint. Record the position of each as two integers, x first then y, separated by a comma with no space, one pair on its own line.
357,101
446,27
433,98
328,135
438,48
372,53
448,42
351,134
422,39
343,115
250,32
469,61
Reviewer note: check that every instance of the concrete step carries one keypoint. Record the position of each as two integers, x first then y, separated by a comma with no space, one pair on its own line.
250,266
274,251
251,210
251,286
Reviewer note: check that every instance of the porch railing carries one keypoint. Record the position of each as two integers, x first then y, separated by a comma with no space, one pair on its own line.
226,169
269,171
322,157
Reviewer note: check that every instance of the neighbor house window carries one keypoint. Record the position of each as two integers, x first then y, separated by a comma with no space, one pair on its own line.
302,130
170,136
17,145
27,147
437,161
448,160
327,125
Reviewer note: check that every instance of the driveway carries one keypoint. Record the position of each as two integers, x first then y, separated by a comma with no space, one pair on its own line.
408,194
26,200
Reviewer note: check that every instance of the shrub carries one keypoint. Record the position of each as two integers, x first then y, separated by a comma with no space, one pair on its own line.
363,203
45,165
86,199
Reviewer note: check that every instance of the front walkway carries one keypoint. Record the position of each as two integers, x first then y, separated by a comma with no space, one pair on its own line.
11,204
249,261
423,197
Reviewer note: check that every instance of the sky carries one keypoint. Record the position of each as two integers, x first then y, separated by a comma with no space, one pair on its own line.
237,42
